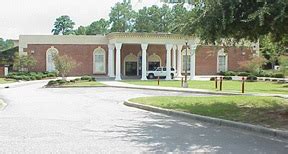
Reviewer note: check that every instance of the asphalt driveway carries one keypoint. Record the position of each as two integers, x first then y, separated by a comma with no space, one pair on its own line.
39,120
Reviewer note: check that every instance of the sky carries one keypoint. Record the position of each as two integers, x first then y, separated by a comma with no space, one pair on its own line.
36,17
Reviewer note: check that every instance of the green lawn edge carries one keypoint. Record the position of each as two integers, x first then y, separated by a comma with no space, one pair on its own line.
271,112
228,86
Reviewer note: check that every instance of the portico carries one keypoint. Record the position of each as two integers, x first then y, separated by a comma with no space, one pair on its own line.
145,56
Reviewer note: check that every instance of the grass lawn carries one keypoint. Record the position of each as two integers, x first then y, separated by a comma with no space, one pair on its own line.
4,80
235,86
82,83
265,111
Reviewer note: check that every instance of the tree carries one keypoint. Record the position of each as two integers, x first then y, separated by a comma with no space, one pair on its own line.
122,17
24,62
63,25
98,27
81,30
254,65
143,22
5,44
283,60
213,20
64,64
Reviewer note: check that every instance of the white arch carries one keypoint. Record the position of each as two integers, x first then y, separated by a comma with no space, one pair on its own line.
99,61
154,58
129,58
50,66
224,58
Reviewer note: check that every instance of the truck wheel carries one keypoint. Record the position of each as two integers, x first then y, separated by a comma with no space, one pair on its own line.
151,76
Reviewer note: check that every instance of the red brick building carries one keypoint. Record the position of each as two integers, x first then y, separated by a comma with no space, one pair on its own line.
132,54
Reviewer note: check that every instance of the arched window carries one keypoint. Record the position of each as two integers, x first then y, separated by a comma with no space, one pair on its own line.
130,65
154,61
99,61
50,66
222,61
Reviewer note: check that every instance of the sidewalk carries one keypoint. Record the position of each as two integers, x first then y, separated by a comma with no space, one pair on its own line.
189,90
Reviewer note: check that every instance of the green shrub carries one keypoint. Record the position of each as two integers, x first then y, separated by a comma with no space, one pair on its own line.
252,78
77,79
73,81
227,78
33,77
26,78
86,78
212,79
61,81
52,83
221,73
38,77
51,74
244,74
17,77
93,78
230,73
278,75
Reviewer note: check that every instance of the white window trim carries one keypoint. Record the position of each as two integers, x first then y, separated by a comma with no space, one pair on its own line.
222,53
51,50
99,51
130,58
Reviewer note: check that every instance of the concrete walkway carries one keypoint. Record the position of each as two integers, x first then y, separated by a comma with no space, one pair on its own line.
189,90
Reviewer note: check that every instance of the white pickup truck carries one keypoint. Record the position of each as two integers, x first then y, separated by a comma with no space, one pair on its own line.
161,72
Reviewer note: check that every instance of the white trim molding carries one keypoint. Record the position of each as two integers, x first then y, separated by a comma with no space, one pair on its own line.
50,66
100,52
221,52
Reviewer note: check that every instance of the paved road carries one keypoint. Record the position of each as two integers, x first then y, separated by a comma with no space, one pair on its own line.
39,120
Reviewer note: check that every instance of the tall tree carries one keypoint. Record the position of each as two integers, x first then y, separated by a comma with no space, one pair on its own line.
81,30
63,25
122,18
5,44
98,27
213,20
143,22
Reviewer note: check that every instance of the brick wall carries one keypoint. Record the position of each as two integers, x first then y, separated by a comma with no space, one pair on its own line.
82,54
206,56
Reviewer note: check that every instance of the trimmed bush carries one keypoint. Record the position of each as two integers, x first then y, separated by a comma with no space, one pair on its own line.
244,74
212,79
26,78
33,77
52,83
278,75
77,79
86,78
251,78
227,78
230,73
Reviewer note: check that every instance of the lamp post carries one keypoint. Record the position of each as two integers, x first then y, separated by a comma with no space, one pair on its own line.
185,85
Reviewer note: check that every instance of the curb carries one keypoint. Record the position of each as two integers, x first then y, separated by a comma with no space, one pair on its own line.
185,91
76,87
217,121
4,105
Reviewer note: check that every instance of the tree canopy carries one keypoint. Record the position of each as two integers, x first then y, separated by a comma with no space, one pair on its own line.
212,20
63,25
5,44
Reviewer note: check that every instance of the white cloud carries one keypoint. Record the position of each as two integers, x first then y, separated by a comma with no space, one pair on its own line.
37,16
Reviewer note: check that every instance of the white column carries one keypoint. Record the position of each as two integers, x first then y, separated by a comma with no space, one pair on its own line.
174,57
118,61
179,60
144,61
193,61
111,71
168,61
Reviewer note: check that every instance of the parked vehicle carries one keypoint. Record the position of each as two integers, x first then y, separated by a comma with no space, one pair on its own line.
161,72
